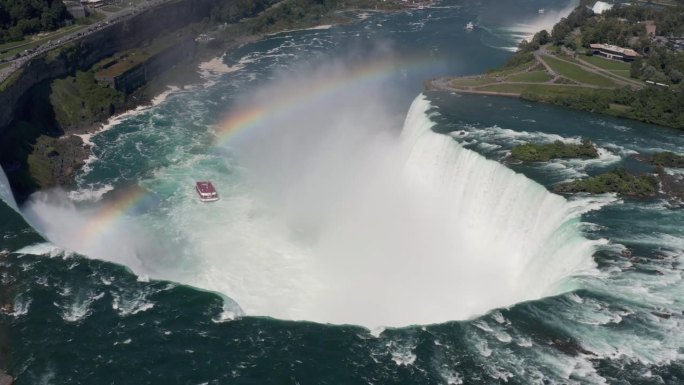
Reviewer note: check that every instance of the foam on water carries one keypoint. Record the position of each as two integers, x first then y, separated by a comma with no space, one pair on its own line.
575,168
20,307
131,303
426,223
79,307
402,352
46,248
499,141
372,240
90,193
111,123
498,134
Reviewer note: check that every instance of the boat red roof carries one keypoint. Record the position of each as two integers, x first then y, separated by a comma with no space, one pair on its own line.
206,187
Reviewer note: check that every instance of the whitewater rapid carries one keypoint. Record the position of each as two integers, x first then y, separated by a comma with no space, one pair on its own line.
412,230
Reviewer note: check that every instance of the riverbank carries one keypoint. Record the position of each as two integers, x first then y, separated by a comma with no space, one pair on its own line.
55,160
192,72
548,76
573,84
568,68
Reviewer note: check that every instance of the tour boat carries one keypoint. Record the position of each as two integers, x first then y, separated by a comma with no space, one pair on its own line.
470,26
206,191
541,11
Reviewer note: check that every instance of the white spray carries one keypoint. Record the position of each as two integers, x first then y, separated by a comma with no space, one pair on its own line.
339,220
342,223
6,191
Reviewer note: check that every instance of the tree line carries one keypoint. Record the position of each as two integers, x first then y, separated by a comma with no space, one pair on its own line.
19,18
265,16
623,26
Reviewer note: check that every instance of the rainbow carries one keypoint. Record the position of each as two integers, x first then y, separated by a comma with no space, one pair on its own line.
248,119
115,210
239,121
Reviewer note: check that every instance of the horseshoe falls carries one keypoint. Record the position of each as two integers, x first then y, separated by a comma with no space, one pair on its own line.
433,233
457,235
367,232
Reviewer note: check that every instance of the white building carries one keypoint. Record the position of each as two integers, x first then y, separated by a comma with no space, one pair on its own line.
614,52
93,3
601,7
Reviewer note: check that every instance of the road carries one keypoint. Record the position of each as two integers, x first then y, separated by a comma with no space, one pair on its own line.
111,18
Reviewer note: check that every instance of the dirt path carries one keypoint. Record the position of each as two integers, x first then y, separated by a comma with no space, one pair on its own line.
538,54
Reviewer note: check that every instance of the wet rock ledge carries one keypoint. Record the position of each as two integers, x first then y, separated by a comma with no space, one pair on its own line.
6,379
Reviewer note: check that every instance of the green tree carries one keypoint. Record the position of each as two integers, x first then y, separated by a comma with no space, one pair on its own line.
560,32
21,17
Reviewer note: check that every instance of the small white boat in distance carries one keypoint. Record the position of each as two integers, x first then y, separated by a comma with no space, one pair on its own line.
541,11
206,191
470,26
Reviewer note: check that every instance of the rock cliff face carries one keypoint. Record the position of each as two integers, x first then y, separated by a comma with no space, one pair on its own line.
131,79
5,379
90,49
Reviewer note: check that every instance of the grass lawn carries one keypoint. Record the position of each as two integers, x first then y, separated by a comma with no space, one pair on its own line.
522,67
623,73
505,87
542,89
619,107
532,76
606,64
470,82
576,73
11,44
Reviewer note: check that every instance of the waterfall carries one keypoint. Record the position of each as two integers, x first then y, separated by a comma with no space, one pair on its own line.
346,225
509,221
6,191
391,232
455,235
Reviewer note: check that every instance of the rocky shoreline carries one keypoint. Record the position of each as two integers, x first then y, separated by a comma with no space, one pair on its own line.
6,379
76,147
53,158
65,95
